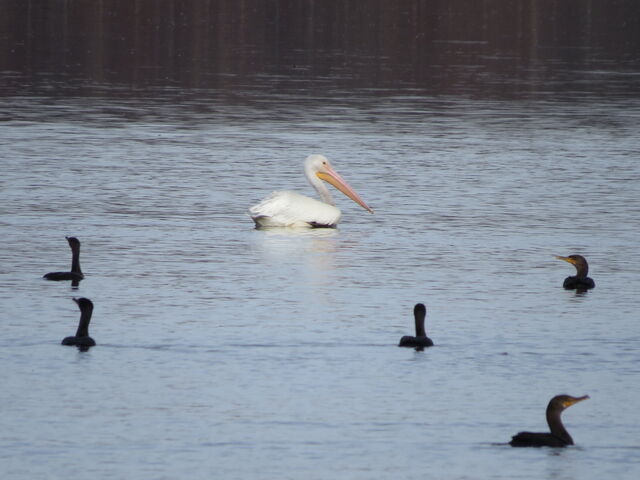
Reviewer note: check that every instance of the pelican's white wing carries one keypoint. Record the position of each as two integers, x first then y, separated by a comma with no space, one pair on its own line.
290,209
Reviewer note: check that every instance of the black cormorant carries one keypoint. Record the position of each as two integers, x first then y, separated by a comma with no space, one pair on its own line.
558,437
580,280
420,340
82,338
75,274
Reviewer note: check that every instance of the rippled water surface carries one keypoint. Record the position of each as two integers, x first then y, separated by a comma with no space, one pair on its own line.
229,352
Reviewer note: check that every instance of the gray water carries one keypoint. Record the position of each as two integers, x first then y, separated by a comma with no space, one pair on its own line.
229,352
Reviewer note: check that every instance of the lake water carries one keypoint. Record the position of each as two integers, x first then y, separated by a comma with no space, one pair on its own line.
229,352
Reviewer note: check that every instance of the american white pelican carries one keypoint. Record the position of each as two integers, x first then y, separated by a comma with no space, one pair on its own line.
290,209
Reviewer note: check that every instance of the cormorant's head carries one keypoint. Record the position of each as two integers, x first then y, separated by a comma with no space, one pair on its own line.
560,402
577,261
84,303
419,310
73,242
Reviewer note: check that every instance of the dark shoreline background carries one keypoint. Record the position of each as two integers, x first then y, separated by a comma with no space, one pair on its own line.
435,45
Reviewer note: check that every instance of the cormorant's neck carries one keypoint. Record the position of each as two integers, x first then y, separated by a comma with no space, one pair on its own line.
83,326
420,325
75,261
582,270
556,426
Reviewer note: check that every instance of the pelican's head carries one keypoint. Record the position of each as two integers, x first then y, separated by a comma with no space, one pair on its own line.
320,167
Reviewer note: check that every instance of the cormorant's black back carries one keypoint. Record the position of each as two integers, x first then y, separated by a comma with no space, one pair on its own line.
573,283
532,439
417,342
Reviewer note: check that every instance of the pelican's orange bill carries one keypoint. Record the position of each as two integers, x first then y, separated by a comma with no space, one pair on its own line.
332,177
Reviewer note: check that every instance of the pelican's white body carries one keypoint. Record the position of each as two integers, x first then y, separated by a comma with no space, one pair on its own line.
290,209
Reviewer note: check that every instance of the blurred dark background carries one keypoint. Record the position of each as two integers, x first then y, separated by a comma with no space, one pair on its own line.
214,43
